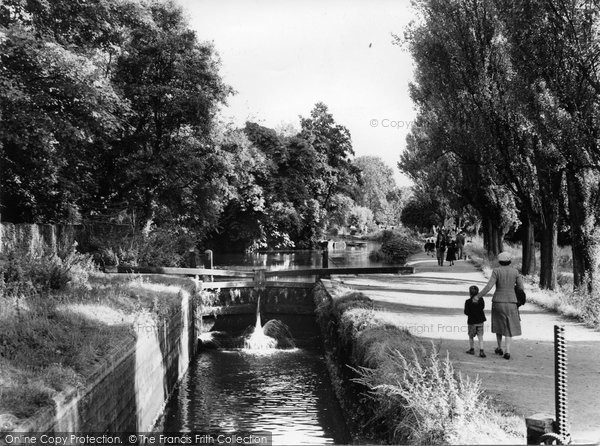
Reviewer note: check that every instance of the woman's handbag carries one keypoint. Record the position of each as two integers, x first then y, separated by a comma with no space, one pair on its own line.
521,296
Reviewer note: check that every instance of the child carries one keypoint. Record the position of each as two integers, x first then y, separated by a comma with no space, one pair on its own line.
475,319
430,246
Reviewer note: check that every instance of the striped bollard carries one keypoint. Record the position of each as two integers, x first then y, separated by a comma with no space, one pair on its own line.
560,383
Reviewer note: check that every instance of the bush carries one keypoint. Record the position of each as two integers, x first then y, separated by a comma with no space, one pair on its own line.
162,247
25,273
396,247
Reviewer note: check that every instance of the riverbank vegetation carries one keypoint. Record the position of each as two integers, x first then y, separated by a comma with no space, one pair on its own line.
62,320
564,300
506,132
408,394
397,246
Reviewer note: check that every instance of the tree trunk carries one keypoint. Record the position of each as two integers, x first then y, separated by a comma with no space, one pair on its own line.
582,190
550,183
548,256
528,242
500,233
487,234
493,238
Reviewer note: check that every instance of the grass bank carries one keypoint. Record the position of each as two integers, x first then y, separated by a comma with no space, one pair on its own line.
60,321
397,390
565,301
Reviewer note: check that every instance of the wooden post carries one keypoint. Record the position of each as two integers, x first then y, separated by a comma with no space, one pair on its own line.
325,254
208,263
208,259
325,261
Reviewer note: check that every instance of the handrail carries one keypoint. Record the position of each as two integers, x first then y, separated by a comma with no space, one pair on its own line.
331,271
184,271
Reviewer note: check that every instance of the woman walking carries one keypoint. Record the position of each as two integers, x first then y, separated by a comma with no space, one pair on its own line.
505,315
440,247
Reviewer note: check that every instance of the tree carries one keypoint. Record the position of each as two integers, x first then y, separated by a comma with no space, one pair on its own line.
173,84
376,183
556,56
333,144
58,111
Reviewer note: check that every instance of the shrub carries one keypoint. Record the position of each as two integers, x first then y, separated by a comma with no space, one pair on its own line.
24,273
162,247
396,247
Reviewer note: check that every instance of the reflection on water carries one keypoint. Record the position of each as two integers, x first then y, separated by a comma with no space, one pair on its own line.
352,256
287,393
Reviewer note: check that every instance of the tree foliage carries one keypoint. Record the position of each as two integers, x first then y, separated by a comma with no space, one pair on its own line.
508,119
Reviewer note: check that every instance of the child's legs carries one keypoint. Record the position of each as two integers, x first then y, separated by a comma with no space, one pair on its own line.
480,338
471,341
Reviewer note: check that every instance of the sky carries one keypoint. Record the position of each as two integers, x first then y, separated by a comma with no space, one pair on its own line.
284,56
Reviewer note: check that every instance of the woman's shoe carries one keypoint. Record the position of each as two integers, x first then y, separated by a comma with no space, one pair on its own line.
471,351
506,355
481,354
498,351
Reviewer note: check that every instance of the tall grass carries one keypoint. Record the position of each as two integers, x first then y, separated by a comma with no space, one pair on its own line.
426,402
577,304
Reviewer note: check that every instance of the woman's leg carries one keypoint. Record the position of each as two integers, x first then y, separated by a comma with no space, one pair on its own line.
499,340
508,342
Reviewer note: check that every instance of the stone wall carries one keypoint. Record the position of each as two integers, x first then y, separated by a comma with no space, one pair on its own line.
130,392
34,238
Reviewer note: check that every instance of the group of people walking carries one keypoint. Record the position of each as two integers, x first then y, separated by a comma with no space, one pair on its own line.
446,246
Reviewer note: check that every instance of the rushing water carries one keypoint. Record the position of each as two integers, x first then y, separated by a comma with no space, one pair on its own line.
285,392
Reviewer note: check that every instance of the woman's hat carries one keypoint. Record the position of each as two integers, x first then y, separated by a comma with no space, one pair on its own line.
504,257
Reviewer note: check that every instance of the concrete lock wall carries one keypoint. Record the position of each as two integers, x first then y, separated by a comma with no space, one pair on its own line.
234,310
130,392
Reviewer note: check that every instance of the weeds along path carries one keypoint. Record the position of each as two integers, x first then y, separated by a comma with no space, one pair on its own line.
430,305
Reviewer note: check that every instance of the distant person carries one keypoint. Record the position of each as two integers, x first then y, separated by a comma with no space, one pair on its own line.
440,247
474,306
430,246
460,245
505,315
451,255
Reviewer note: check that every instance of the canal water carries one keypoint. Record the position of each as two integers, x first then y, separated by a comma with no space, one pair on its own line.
284,392
357,255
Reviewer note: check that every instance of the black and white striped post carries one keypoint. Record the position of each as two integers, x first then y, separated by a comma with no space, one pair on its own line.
541,428
560,383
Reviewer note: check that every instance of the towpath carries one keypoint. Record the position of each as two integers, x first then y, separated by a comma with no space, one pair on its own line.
430,304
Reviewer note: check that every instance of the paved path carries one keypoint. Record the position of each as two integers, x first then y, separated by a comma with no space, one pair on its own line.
430,304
